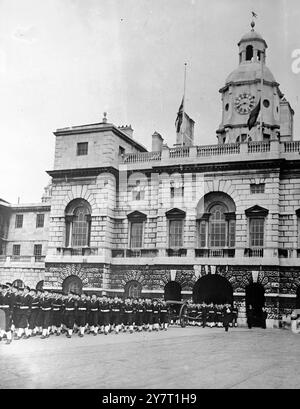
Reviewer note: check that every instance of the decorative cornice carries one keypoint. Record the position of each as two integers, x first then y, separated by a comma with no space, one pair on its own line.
81,172
247,82
95,128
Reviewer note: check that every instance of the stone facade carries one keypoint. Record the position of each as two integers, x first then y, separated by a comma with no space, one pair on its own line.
99,197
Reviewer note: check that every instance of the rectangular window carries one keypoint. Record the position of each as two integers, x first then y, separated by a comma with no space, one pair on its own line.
256,188
202,234
16,249
136,235
40,220
82,148
175,235
121,151
218,234
37,251
231,238
176,192
19,221
257,232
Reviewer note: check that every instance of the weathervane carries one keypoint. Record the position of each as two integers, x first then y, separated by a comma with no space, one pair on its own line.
254,15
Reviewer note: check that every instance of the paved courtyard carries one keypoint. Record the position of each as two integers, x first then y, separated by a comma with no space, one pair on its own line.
177,358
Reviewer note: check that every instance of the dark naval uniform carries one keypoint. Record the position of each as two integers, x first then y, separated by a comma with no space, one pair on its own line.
69,315
6,305
93,312
45,305
57,311
82,312
35,307
116,308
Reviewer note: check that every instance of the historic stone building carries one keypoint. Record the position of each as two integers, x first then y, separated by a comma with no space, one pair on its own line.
217,222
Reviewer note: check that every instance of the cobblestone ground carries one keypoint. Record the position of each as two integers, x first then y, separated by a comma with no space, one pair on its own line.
177,358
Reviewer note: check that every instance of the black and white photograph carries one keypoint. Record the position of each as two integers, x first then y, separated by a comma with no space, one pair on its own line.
149,197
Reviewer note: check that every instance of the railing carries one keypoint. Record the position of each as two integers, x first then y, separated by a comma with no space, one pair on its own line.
81,251
215,150
293,146
21,259
182,152
120,253
141,157
214,252
258,147
259,252
176,252
39,259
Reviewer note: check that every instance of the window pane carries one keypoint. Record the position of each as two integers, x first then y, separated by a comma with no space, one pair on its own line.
19,221
175,233
256,232
80,227
16,249
202,234
40,220
82,148
37,251
231,233
217,224
136,239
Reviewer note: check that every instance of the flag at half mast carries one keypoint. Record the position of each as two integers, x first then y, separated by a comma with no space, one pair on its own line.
253,116
184,127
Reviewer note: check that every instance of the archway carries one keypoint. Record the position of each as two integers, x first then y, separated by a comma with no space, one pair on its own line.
133,289
18,283
213,288
298,297
172,291
72,283
40,285
255,296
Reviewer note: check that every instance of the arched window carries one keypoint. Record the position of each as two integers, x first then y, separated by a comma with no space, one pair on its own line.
216,222
78,223
217,226
249,52
133,289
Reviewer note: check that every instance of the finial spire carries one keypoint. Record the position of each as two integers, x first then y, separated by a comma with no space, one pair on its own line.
254,15
104,120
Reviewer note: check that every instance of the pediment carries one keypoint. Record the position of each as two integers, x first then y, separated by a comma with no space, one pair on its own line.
256,211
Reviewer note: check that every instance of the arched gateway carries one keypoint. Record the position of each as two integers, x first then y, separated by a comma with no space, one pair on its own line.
72,283
255,296
213,288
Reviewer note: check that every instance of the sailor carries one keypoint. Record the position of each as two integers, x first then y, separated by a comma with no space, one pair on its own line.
35,304
93,314
128,310
156,315
6,306
57,310
81,314
24,305
139,314
148,314
69,315
116,308
164,315
211,315
45,305
105,311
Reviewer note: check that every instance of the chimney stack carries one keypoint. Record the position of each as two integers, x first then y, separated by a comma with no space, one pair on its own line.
157,142
126,129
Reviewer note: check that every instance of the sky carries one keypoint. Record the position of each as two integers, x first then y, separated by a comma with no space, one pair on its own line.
64,62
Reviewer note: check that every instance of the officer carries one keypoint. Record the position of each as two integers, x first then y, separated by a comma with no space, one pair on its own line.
227,312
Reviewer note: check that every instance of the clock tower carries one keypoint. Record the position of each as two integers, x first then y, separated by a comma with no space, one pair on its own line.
249,83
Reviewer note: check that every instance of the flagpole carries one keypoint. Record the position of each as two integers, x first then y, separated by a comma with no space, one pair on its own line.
261,95
183,114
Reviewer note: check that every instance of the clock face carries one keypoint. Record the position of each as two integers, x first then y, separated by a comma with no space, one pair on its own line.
244,103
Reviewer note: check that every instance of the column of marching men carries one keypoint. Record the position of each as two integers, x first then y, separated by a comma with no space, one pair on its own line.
26,312
29,312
